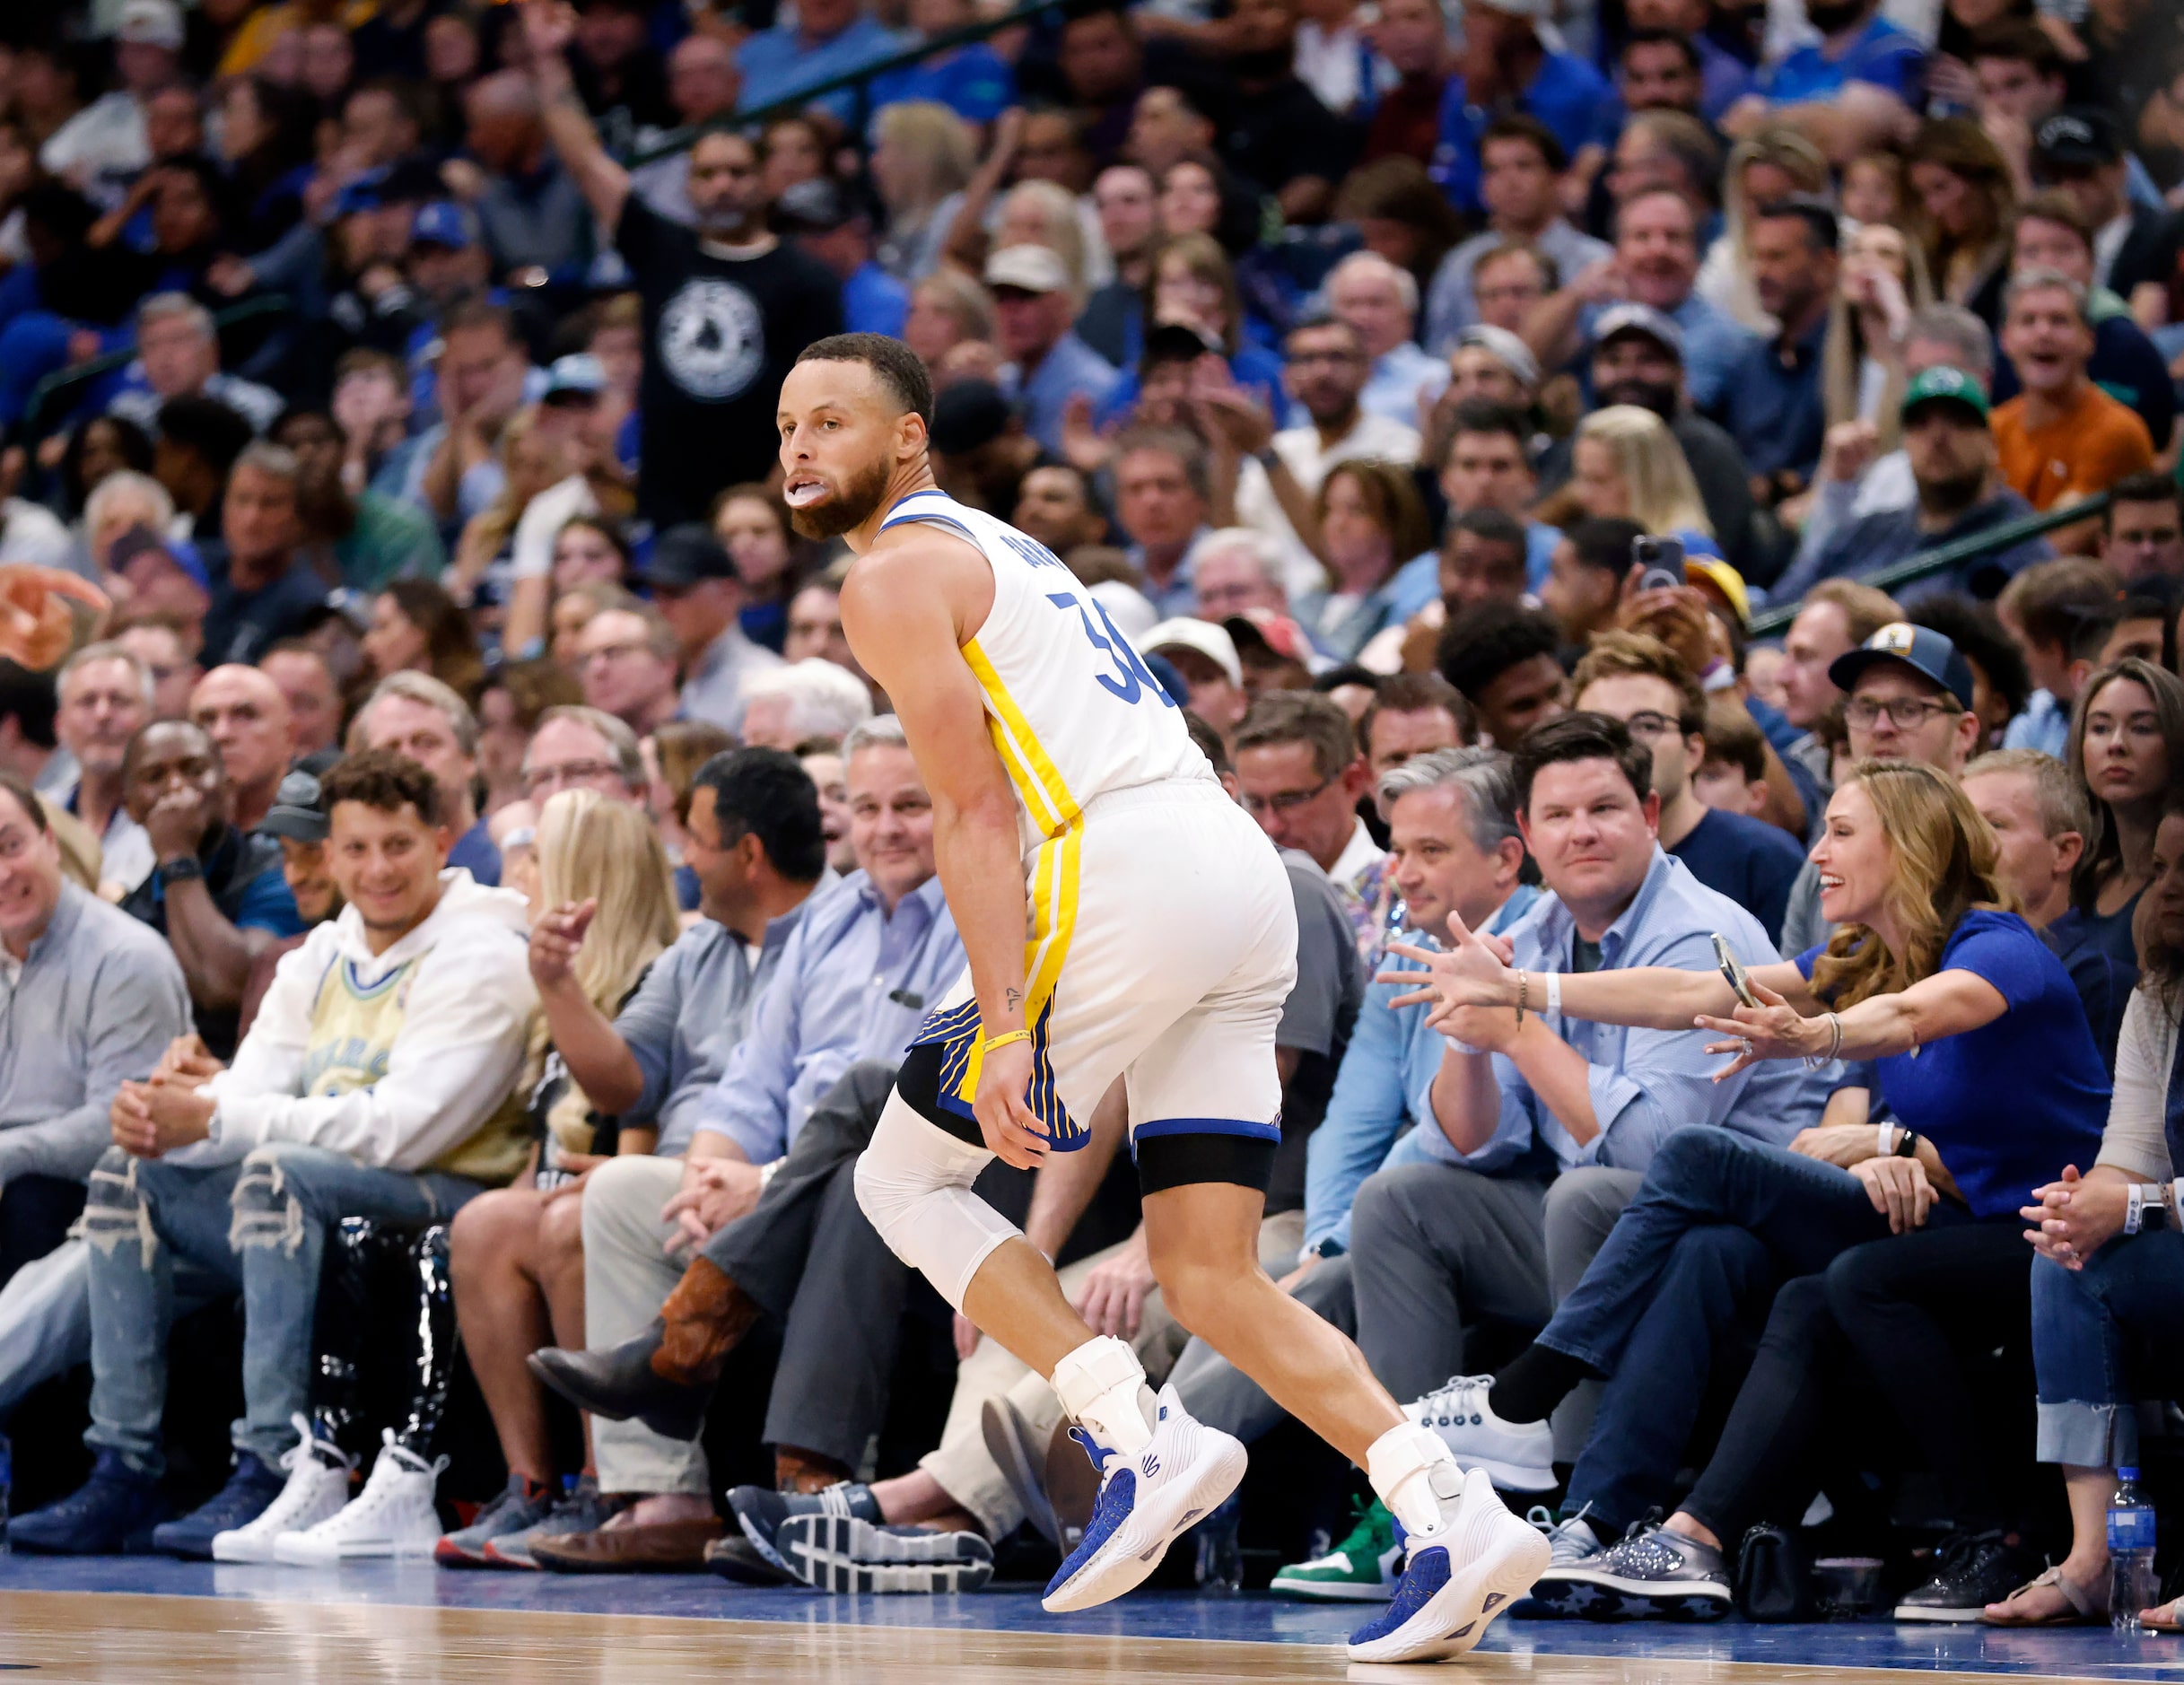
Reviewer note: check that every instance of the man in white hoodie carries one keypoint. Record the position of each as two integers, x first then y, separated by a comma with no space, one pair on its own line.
378,1080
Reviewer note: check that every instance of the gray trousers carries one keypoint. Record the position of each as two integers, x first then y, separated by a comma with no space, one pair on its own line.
1447,1245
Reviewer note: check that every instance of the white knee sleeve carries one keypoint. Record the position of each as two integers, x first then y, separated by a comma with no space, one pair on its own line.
913,1184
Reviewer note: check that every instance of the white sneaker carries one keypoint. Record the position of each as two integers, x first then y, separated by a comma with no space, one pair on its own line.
393,1517
318,1487
1520,1457
1479,1561
1187,1470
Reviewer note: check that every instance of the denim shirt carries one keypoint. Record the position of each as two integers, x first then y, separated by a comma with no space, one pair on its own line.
1646,1084
854,982
1380,1092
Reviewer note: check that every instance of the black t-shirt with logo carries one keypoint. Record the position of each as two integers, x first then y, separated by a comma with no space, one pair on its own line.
720,334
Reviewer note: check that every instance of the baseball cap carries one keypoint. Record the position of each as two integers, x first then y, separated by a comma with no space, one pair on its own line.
443,223
1202,637
299,809
1727,582
1262,629
1920,648
142,541
966,415
686,556
1640,318
1176,342
579,375
1505,347
150,23
817,206
2079,138
1029,269
366,192
1945,385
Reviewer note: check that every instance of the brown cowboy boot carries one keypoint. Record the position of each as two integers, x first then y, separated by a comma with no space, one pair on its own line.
796,1469
664,1377
702,1321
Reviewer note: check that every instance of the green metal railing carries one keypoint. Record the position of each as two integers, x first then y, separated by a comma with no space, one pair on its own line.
61,379
679,140
1942,558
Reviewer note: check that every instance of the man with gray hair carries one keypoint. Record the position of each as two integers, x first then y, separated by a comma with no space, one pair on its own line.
416,715
1380,301
1234,569
178,355
104,695
786,707
262,590
577,748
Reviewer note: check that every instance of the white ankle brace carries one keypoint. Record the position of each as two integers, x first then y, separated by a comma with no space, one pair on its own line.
1416,1475
1102,1385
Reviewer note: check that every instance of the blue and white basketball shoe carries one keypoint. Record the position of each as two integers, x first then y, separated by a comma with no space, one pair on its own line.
1458,1578
1145,1502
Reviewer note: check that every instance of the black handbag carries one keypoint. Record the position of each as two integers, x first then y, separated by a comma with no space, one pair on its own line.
1774,1577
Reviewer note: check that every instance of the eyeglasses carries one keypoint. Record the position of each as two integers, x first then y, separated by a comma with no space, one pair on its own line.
1905,713
1283,800
1647,723
569,775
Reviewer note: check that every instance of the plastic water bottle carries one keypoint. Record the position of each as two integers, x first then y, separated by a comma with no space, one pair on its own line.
2132,1586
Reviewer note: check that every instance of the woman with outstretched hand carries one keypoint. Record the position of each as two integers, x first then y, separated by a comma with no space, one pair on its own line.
1993,1083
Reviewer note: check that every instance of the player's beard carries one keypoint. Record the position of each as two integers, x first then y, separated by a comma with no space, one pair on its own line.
850,508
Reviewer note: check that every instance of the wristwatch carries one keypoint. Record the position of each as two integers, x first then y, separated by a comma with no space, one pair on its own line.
1907,1144
182,870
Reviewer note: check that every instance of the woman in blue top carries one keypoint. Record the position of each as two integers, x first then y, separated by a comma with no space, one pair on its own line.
1994,1082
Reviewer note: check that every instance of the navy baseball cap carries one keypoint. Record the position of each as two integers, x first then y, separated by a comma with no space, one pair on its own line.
299,809
1922,650
686,556
140,540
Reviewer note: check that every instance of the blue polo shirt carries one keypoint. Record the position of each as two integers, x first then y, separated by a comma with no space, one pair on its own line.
1882,54
778,62
1771,404
1069,367
1567,95
975,81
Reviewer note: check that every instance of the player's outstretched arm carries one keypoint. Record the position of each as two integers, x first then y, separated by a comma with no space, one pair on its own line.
907,607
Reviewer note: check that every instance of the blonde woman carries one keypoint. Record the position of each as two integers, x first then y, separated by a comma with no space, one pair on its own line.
922,156
1966,208
1776,163
1626,464
1862,376
1890,1238
604,912
948,308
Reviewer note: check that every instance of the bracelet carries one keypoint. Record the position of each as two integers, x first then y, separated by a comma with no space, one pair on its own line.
1882,1148
182,870
2134,1208
1554,993
1814,1061
992,1041
1523,994
768,1171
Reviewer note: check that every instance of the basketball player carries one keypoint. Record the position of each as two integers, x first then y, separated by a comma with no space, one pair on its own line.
1120,916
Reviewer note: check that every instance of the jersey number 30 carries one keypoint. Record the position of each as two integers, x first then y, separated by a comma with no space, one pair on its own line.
1132,679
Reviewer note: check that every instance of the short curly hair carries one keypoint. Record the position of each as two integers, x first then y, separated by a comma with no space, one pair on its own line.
385,779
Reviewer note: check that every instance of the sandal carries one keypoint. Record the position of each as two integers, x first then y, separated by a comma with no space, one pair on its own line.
2082,1606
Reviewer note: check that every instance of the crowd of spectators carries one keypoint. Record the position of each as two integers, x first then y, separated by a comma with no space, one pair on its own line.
1617,488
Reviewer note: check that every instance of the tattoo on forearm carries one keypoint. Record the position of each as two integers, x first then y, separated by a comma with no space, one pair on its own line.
1014,997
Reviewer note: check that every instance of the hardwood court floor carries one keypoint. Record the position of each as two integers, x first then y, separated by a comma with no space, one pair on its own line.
129,1637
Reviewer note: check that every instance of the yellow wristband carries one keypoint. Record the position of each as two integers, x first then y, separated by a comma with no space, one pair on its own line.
991,1042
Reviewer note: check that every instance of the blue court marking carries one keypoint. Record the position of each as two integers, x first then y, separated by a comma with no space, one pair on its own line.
2080,1653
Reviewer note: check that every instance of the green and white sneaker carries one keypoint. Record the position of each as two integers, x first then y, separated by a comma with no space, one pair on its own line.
1362,1570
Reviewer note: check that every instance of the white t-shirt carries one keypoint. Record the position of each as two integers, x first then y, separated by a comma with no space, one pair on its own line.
531,551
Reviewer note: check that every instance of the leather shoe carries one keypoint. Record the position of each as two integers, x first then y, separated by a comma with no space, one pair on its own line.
664,1377
663,1547
737,1559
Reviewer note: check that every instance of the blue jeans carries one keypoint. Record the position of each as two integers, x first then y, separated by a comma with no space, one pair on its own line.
258,1227
2082,1324
1719,1221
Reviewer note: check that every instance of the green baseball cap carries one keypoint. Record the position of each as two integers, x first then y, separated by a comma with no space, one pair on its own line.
1944,382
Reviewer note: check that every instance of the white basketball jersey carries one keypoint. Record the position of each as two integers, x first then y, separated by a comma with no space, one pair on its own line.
1071,708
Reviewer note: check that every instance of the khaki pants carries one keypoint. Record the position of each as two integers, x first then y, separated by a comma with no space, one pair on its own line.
628,1275
961,1465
